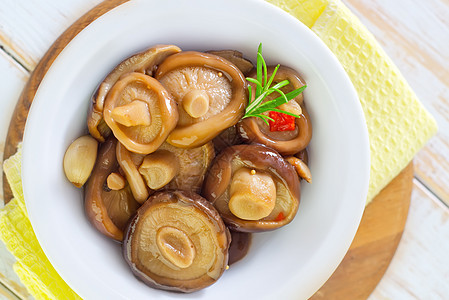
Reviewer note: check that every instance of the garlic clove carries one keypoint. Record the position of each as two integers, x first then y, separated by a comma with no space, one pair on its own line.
79,160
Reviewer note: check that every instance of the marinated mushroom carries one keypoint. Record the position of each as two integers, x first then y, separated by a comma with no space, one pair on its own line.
108,210
193,164
287,141
210,92
129,167
177,241
140,112
144,62
253,188
239,247
236,57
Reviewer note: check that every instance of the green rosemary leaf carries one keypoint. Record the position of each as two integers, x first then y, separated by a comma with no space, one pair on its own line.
272,76
257,107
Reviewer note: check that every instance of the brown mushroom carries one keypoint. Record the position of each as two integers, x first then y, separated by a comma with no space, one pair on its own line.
108,210
210,91
129,167
239,247
228,137
253,188
144,62
177,241
254,130
236,57
140,112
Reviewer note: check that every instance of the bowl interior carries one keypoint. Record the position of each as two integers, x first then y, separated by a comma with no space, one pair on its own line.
292,262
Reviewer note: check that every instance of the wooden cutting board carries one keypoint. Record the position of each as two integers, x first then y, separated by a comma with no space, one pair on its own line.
377,237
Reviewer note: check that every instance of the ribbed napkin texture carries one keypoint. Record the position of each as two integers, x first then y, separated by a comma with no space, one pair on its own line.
398,127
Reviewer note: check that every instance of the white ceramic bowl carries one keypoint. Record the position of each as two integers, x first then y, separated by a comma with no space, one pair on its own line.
290,263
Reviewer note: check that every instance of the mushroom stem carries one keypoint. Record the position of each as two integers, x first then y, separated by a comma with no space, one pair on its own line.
301,168
196,103
115,181
133,176
253,194
159,168
175,246
132,114
291,106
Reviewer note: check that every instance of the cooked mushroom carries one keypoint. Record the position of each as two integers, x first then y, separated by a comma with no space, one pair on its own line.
253,188
236,58
239,247
228,137
108,210
143,62
129,167
177,241
176,168
286,142
301,168
210,91
140,112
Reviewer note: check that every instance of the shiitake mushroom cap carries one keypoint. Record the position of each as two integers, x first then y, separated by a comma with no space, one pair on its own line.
197,132
141,251
108,210
254,130
260,158
144,62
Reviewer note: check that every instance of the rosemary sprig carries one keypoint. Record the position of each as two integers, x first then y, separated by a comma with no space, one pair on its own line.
256,107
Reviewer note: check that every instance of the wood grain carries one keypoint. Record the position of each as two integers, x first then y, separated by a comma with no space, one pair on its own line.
375,243
17,125
420,267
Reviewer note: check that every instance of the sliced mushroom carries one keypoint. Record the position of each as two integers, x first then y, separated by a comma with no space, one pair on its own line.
135,180
236,58
253,188
199,81
140,112
108,210
177,241
144,62
254,130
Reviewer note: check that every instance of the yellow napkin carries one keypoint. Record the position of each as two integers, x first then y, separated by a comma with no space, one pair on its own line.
398,127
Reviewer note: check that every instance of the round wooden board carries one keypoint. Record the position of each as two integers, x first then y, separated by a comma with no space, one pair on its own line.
377,237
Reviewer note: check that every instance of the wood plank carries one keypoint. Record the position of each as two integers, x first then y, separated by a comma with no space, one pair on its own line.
415,34
374,244
419,269
41,22
12,80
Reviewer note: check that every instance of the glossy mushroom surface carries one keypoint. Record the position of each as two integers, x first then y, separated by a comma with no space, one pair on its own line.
108,210
239,247
210,92
139,96
254,130
236,57
241,184
144,62
193,164
177,241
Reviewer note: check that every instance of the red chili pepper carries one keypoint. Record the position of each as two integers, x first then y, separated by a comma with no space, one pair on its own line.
282,122
280,217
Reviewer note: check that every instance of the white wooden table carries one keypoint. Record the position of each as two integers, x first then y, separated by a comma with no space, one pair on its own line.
414,33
